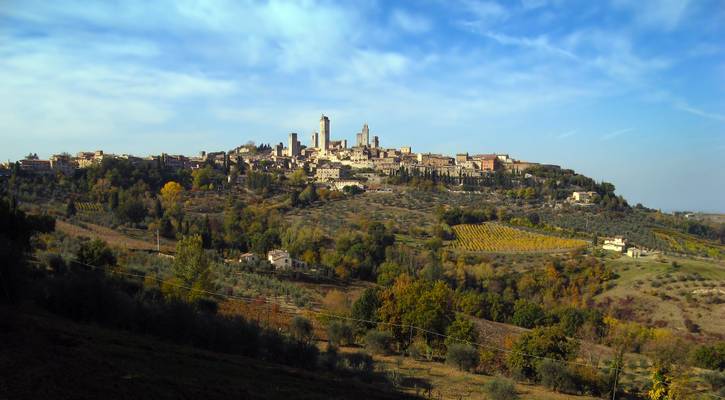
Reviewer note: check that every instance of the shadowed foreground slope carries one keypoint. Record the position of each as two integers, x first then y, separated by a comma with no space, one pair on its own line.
44,356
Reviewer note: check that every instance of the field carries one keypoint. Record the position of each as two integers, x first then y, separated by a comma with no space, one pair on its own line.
668,291
497,238
678,242
139,241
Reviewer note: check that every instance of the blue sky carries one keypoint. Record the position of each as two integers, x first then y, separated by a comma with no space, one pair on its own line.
631,92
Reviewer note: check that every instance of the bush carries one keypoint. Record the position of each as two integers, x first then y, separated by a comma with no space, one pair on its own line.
716,380
378,342
463,356
500,388
419,349
339,333
301,329
359,363
710,357
96,253
556,376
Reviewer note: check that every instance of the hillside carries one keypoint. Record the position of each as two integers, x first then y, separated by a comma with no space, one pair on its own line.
45,356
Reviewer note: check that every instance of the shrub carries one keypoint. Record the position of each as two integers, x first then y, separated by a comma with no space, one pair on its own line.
359,362
96,253
710,357
301,329
419,349
716,380
378,342
556,376
339,333
462,356
500,388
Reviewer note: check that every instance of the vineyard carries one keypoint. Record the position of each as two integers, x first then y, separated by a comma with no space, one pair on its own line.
493,237
89,207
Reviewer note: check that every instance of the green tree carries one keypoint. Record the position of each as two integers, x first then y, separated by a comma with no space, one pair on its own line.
550,342
365,308
527,314
462,356
191,266
301,329
309,195
70,209
461,330
95,253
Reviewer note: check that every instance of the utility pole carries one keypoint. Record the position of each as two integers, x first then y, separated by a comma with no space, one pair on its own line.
158,244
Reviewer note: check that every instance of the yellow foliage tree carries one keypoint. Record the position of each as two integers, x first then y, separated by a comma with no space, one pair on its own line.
171,193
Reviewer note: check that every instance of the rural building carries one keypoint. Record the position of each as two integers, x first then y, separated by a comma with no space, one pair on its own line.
280,259
248,258
634,252
583,197
617,244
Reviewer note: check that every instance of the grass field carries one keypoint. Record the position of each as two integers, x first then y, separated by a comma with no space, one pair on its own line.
667,290
493,237
113,237
689,244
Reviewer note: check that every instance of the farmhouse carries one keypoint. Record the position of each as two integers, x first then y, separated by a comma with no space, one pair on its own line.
617,244
634,252
583,197
280,259
248,258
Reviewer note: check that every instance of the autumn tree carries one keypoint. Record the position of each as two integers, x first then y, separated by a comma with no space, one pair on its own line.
424,304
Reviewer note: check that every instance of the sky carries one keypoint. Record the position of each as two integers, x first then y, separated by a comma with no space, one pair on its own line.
625,91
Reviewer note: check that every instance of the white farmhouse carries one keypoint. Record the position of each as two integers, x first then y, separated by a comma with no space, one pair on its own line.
280,259
582,197
617,244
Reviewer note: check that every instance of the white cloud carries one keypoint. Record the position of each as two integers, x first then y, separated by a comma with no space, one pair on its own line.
617,133
539,42
566,134
481,14
410,22
655,14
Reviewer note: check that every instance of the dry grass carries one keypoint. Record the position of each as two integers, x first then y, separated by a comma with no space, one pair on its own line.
112,237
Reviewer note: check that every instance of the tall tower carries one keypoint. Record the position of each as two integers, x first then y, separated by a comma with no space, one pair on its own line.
365,135
324,140
315,140
293,145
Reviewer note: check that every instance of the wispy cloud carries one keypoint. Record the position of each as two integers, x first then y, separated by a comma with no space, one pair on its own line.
660,14
539,42
410,22
615,134
566,134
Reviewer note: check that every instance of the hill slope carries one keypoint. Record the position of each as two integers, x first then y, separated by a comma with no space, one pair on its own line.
47,357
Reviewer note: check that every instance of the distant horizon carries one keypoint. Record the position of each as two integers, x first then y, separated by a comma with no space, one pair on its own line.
624,91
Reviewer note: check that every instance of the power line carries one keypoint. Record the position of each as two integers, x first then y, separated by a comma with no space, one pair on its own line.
267,300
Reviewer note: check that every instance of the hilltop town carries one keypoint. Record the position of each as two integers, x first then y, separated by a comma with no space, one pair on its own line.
332,162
